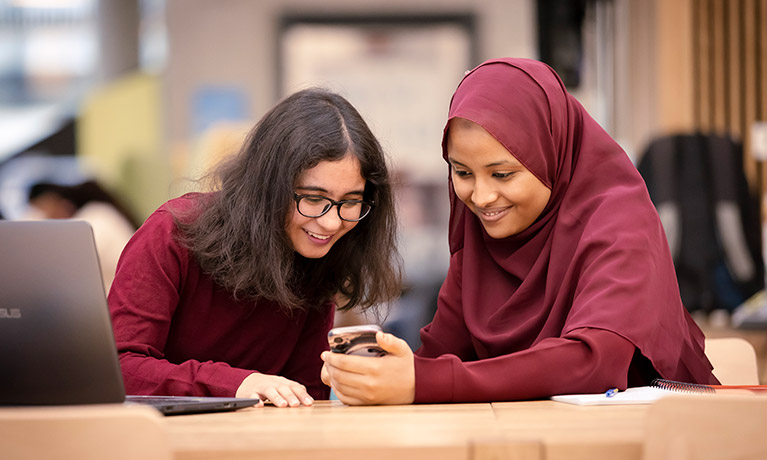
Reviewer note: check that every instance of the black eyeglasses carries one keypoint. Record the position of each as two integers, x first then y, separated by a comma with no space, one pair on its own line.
318,205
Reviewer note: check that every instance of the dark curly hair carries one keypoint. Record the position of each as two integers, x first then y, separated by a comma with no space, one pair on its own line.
238,233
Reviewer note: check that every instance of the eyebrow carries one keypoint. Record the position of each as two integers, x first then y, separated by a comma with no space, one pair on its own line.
497,163
313,188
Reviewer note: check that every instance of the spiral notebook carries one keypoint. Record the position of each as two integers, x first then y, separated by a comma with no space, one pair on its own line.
658,389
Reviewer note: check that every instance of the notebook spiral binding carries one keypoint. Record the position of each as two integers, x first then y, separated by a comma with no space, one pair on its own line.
684,387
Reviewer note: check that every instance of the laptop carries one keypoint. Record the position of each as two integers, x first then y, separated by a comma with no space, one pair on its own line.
56,341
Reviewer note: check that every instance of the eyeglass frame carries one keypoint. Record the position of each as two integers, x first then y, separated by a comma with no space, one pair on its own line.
333,203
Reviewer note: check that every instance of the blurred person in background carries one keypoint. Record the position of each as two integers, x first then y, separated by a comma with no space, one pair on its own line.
88,201
232,292
560,280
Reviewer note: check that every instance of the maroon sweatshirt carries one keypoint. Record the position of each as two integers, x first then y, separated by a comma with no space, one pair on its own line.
179,333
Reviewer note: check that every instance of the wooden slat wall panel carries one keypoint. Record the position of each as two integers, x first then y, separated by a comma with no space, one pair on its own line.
749,82
734,68
675,88
762,56
761,82
719,63
703,59
730,65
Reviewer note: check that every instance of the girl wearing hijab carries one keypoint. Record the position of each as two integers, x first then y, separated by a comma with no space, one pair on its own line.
232,292
560,277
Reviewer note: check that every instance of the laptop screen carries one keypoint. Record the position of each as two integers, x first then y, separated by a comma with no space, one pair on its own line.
55,331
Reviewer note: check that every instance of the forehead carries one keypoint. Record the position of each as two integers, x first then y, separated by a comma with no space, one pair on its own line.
468,142
340,176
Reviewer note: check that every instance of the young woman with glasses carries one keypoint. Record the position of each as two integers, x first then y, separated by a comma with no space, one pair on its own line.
232,292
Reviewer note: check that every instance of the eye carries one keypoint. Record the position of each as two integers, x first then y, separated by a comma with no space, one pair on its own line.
351,204
502,175
314,199
460,173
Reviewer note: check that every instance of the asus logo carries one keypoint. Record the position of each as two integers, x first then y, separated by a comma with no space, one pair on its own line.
10,313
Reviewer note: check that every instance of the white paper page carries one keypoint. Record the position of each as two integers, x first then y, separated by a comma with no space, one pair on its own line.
636,395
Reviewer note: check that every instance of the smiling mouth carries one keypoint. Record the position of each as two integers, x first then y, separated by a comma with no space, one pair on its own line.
317,236
491,216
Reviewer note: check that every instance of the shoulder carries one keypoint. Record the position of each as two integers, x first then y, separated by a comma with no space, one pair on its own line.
455,269
456,257
184,208
187,203
161,227
156,242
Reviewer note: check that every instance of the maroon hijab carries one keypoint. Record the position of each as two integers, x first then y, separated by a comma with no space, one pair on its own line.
597,256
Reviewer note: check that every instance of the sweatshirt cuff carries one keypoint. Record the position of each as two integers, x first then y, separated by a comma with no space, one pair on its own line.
433,379
225,381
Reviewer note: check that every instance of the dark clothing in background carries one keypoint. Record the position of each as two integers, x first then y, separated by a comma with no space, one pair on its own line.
697,183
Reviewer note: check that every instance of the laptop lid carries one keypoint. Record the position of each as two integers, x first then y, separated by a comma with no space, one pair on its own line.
56,339
55,331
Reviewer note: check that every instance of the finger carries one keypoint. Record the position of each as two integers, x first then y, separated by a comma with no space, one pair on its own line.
350,363
343,379
348,383
275,397
302,395
288,393
334,359
260,402
393,345
347,399
324,375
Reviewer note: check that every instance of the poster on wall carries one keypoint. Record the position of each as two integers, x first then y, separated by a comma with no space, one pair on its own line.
400,76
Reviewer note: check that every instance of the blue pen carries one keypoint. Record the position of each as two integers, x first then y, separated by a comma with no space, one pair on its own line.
611,392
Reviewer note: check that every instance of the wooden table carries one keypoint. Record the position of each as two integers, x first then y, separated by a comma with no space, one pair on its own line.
572,432
330,430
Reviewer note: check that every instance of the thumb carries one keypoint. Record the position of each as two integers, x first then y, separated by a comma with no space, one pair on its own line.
393,345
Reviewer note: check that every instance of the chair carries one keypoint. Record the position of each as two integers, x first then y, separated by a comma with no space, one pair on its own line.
706,427
734,360
97,432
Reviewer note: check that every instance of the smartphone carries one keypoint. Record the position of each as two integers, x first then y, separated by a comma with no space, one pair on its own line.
355,340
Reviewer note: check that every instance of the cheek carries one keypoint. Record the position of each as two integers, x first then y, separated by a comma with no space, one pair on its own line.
463,190
292,220
544,199
295,221
537,196
348,226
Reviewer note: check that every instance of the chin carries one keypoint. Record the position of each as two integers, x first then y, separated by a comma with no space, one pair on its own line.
313,254
499,233
497,236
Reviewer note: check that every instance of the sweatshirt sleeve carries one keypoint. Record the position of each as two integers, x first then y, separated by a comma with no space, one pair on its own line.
584,361
447,333
305,361
143,299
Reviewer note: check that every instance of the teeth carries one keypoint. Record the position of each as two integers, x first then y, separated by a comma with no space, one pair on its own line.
491,214
319,237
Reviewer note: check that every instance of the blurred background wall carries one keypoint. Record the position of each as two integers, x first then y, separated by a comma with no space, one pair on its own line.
144,95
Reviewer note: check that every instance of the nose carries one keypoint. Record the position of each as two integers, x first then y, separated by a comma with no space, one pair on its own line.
330,221
484,193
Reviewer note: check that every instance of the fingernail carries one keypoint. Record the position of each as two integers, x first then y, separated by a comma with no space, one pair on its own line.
308,401
294,402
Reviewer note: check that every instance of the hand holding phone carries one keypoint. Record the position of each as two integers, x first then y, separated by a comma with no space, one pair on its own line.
355,340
